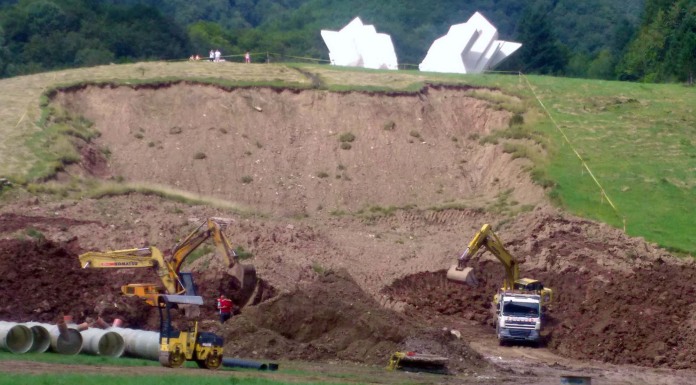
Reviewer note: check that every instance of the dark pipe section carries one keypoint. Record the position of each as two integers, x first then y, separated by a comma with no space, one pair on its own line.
237,363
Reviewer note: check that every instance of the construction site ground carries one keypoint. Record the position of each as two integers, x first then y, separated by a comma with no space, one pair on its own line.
352,242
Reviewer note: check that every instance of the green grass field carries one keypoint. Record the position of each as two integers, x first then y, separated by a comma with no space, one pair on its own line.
173,379
124,371
636,139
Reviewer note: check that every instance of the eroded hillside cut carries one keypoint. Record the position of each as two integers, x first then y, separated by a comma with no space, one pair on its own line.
299,152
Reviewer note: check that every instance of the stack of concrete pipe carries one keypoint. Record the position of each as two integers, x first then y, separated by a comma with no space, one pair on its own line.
37,337
71,339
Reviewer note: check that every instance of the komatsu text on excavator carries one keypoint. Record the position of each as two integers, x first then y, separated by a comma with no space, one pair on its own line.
172,280
519,302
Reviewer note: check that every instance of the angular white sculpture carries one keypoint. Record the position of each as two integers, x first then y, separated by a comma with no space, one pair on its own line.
359,45
468,48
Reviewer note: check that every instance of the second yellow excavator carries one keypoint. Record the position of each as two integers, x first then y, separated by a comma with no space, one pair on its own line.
489,240
172,280
519,304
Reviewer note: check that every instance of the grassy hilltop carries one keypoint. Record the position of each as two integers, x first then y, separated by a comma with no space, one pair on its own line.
621,153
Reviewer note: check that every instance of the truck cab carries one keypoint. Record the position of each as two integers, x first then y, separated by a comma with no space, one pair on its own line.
518,317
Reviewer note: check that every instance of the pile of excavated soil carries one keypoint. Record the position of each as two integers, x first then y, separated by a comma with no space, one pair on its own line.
332,319
11,222
42,281
618,300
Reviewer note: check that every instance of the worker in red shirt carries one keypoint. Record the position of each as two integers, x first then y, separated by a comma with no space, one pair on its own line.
224,306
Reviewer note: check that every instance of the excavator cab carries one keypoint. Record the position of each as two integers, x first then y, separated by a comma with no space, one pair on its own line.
528,284
534,286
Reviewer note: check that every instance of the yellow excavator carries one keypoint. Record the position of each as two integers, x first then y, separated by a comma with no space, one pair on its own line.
489,240
172,280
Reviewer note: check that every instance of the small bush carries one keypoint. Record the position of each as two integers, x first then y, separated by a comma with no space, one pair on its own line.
175,130
242,254
540,178
346,146
415,134
319,269
36,234
346,138
389,126
199,155
246,179
322,175
488,139
516,120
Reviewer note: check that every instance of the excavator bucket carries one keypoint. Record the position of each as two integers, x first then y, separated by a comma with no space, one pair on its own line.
250,285
465,275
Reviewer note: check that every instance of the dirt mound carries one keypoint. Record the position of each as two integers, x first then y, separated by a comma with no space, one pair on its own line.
10,222
630,303
333,319
42,280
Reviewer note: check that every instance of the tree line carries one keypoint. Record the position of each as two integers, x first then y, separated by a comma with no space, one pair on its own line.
636,40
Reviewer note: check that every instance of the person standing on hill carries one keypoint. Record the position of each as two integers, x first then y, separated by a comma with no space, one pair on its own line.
247,57
212,55
224,306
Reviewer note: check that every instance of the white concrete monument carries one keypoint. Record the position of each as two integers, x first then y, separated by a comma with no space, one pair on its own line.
468,48
359,45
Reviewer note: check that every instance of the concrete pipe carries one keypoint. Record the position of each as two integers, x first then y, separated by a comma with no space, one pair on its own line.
63,339
103,343
15,338
140,343
42,338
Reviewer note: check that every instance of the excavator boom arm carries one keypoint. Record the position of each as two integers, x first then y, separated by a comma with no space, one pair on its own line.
213,227
488,239
117,259
134,258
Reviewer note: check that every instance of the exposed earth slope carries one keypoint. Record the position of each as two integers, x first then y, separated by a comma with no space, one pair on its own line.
351,233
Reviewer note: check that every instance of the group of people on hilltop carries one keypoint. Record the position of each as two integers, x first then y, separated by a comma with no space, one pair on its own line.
215,56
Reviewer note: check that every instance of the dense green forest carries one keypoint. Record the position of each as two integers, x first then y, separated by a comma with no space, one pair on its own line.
640,40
